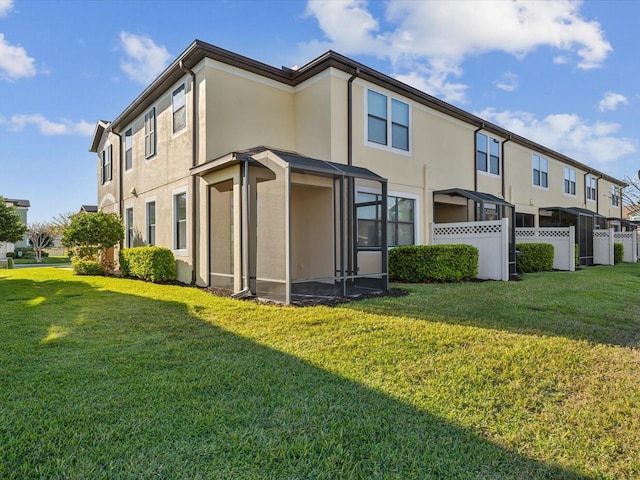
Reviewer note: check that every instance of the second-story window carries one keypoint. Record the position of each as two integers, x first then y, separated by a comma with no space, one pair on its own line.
540,171
615,196
591,187
179,107
379,129
569,181
150,133
128,149
487,154
107,166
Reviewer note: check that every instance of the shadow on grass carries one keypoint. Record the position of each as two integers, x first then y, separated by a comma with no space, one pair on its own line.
97,384
598,304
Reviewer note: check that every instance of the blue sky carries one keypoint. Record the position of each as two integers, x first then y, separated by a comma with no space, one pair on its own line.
564,74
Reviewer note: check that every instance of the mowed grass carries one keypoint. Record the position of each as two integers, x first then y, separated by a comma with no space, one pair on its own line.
110,378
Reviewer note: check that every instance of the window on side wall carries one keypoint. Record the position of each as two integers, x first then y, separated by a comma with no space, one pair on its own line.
128,224
180,215
151,223
487,154
540,171
400,220
150,133
107,165
128,149
591,187
179,108
379,129
569,181
615,196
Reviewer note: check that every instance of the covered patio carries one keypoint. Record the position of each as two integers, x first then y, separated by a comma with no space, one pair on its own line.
282,226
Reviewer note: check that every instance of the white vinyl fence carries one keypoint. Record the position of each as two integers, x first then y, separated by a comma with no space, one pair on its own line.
603,246
490,238
563,240
630,242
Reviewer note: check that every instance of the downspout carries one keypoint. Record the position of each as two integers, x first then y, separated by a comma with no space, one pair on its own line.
120,179
584,183
475,160
598,194
351,266
194,162
504,180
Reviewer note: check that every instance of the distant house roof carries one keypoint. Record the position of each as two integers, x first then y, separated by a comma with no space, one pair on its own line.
19,203
89,208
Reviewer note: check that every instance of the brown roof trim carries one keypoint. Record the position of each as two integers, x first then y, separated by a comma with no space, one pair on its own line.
198,50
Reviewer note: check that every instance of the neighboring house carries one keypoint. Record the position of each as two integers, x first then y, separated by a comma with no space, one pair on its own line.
22,207
88,208
284,182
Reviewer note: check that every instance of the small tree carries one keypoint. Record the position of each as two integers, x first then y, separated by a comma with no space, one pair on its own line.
90,235
40,235
11,227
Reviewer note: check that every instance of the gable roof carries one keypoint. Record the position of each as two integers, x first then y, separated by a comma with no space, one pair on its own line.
18,203
101,125
199,50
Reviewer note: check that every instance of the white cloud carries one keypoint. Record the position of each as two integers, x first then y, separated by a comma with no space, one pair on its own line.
593,143
5,7
14,62
508,82
442,34
47,127
145,60
611,101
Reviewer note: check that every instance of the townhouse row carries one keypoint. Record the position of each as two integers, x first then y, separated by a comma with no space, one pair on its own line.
283,183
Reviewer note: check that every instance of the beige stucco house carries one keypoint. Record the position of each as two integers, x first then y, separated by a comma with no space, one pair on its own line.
280,182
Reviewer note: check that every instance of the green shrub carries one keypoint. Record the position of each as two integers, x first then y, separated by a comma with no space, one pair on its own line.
577,255
618,252
433,263
24,252
87,267
534,257
154,264
10,254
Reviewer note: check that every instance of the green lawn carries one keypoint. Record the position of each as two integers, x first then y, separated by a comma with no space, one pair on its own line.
109,378
45,260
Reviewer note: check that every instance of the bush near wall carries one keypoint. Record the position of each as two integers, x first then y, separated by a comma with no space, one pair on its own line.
87,267
618,252
153,264
433,263
577,254
534,257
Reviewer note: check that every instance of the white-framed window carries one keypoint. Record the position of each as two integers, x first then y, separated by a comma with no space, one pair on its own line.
150,133
591,187
128,149
540,171
569,181
615,196
179,108
487,154
180,221
391,131
107,165
128,227
151,222
401,220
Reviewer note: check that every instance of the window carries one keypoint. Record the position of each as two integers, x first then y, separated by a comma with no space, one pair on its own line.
107,166
540,171
151,223
487,154
128,225
525,220
569,181
615,196
591,186
150,133
178,102
180,215
128,149
378,128
400,220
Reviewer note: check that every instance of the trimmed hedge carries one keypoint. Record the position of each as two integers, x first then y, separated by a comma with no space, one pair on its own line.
87,267
618,252
534,257
433,263
153,264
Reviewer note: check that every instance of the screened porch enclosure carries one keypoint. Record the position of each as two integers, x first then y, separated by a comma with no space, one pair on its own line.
283,227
